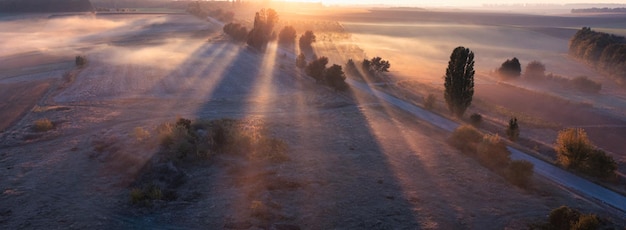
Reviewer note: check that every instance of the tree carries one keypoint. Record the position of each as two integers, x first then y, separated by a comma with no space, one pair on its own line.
263,29
512,131
335,77
301,61
575,151
379,65
306,40
535,70
459,80
287,35
510,68
316,69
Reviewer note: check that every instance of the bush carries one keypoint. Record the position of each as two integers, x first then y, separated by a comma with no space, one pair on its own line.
510,68
575,151
42,125
563,218
476,118
306,40
141,134
287,35
335,78
512,130
535,70
236,31
145,195
586,85
316,69
429,102
586,222
466,138
520,173
301,61
492,152
80,61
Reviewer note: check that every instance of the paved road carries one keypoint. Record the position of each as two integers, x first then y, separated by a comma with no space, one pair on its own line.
556,174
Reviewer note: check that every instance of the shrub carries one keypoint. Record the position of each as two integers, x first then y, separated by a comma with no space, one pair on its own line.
141,134
287,35
466,138
145,195
512,130
492,152
42,125
586,85
429,101
301,61
535,70
316,69
80,61
520,172
572,147
575,151
586,222
476,118
510,68
563,218
306,40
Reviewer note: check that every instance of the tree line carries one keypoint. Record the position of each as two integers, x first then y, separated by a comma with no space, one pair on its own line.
604,51
600,10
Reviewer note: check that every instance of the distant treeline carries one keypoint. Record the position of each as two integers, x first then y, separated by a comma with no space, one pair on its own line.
600,10
606,52
39,6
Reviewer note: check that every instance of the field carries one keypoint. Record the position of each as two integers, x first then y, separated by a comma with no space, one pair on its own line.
354,161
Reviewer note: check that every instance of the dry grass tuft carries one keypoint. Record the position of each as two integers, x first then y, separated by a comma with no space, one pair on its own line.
43,125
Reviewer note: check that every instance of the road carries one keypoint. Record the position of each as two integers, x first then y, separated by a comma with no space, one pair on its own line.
566,179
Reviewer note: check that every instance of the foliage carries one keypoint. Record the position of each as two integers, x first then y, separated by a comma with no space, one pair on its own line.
466,138
316,68
145,195
563,217
335,78
42,125
510,68
263,28
492,152
287,35
575,151
584,84
604,51
141,134
512,130
535,70
301,61
520,172
80,61
476,118
429,102
332,76
306,40
236,31
459,80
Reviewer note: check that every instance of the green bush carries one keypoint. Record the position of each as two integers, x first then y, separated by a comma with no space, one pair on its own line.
42,125
520,173
492,152
466,138
565,218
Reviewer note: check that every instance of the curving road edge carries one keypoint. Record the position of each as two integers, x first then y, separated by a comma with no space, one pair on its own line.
566,179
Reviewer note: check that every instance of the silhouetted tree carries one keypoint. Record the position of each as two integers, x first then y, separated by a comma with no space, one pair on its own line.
316,68
301,61
459,80
236,31
287,35
376,65
335,77
510,68
306,40
263,29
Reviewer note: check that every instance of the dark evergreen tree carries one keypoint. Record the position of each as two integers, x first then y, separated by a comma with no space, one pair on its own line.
459,81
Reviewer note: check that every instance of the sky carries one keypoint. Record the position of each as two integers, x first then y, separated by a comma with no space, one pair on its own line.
461,2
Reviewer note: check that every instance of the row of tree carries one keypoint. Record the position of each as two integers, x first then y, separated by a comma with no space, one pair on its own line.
604,51
237,31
